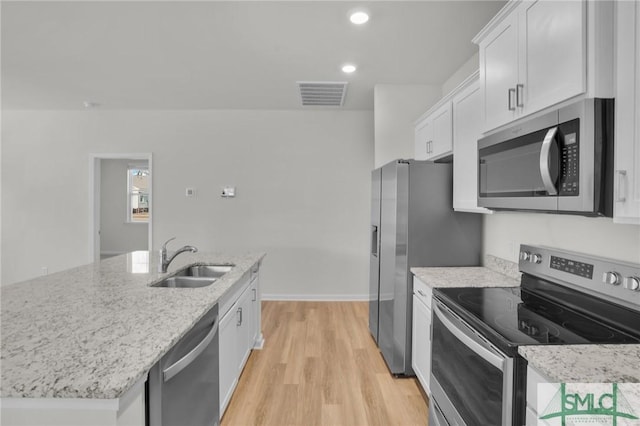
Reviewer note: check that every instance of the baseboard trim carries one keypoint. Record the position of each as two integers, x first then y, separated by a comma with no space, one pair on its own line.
317,297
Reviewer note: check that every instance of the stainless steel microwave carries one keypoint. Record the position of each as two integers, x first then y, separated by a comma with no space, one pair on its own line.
558,162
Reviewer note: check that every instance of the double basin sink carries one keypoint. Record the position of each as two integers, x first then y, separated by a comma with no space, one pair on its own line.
195,276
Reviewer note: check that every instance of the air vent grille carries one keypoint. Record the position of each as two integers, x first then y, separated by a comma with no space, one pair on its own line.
322,93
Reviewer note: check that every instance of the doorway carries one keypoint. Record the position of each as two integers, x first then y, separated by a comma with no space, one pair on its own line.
121,204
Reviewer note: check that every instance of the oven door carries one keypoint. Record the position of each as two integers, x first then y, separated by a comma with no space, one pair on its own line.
472,382
519,168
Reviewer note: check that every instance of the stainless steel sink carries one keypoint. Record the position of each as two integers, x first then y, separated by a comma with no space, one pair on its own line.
207,271
185,282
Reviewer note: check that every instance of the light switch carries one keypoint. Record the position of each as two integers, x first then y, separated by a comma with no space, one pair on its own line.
190,192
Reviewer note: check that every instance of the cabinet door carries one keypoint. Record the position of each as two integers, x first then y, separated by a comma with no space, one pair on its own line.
423,139
553,53
466,132
243,323
627,132
421,346
442,132
499,73
228,357
254,313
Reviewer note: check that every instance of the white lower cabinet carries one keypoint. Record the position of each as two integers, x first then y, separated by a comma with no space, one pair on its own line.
534,379
421,333
239,333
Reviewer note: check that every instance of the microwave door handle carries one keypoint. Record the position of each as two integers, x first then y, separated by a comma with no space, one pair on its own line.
486,354
545,170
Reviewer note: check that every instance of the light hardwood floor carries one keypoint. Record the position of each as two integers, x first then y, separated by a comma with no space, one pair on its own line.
320,366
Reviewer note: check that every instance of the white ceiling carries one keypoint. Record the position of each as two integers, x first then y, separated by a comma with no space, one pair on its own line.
225,54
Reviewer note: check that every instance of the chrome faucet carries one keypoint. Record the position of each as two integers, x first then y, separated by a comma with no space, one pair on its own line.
164,261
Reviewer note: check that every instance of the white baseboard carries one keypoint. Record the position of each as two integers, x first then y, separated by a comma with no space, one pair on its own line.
111,253
317,297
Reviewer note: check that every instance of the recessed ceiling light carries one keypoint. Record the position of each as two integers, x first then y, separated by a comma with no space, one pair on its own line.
348,68
359,17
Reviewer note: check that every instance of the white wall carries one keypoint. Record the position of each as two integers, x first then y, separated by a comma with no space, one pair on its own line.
302,179
396,108
504,232
468,68
116,234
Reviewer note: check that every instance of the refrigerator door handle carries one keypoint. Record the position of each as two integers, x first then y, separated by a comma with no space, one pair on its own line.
374,241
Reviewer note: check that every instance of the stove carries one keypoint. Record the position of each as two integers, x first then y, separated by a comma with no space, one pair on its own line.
565,298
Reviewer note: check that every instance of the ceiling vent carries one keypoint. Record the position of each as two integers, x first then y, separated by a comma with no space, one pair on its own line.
322,93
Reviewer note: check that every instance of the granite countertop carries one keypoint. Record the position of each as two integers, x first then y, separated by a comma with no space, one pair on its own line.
585,363
497,273
95,330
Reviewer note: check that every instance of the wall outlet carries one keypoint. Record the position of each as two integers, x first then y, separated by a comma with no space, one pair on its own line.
44,270
190,192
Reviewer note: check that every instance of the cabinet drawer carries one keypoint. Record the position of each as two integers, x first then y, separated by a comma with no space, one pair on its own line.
422,291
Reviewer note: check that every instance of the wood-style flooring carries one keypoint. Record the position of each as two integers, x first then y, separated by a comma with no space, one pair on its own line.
320,366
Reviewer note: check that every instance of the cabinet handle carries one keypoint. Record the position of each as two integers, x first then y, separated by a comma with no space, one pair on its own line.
239,311
510,94
519,95
255,294
622,183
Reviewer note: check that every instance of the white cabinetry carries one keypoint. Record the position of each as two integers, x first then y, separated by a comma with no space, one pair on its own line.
535,54
239,332
627,145
534,379
433,134
421,333
466,132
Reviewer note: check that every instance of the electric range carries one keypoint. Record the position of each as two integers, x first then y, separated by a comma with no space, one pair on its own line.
565,298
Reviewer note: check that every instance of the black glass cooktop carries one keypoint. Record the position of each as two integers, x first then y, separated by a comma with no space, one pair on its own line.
540,313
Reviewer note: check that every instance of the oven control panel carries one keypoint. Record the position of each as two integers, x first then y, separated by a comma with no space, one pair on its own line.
616,281
580,269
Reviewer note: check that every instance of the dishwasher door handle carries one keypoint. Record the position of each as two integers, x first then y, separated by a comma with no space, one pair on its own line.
182,363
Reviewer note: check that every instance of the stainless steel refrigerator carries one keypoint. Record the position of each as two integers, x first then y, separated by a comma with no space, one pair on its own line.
412,225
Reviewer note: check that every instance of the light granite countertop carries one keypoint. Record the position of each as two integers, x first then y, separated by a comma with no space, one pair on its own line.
496,273
585,363
466,276
95,330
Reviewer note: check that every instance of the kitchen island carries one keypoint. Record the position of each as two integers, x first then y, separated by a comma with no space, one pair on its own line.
85,338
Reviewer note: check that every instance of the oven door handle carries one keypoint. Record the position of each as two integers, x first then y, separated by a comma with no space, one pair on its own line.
485,353
545,167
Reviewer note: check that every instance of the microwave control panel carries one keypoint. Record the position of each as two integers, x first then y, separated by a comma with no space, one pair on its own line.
569,158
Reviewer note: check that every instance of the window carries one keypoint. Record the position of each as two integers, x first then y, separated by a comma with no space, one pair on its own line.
138,194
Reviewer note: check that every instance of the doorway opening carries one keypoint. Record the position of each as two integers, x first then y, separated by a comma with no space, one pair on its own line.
121,204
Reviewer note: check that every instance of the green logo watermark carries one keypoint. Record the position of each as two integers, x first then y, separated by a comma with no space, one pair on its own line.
591,404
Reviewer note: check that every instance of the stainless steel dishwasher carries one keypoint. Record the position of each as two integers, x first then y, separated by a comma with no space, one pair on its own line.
183,386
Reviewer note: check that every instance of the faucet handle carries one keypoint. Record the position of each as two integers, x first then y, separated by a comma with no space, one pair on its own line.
164,246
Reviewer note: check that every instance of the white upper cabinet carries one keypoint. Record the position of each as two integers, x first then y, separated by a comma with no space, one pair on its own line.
433,133
466,105
626,208
534,54
499,73
552,41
